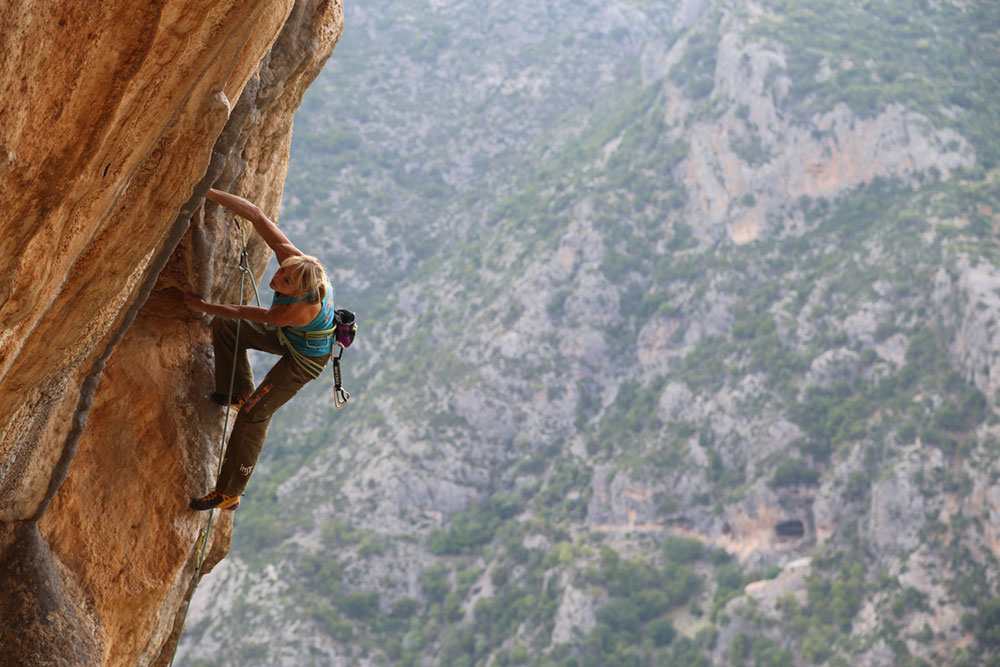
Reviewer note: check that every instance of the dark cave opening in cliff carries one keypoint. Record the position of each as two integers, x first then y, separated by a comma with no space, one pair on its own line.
790,529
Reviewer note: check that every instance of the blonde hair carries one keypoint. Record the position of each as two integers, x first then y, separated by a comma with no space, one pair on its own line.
308,275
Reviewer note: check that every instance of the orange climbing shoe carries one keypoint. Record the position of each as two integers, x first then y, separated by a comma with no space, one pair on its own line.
215,499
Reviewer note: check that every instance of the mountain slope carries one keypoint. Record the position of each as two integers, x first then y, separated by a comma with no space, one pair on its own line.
656,302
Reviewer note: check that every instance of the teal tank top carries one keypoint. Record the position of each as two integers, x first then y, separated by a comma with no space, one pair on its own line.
311,346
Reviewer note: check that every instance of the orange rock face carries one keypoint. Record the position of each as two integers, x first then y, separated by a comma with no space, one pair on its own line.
115,118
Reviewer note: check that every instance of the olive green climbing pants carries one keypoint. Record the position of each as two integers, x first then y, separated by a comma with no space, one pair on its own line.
281,383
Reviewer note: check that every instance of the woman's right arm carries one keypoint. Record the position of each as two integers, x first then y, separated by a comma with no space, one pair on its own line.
273,237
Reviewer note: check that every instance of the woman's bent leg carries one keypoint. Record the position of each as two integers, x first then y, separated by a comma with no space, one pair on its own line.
253,336
247,439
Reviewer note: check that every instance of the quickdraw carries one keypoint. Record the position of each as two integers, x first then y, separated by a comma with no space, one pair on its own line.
340,395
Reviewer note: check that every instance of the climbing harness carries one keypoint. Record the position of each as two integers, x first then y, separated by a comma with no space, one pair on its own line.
314,368
309,365
342,332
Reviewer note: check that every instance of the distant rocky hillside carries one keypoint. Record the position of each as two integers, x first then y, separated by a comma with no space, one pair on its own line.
675,343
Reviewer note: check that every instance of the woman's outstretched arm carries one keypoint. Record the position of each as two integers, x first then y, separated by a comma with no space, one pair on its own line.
268,231
293,314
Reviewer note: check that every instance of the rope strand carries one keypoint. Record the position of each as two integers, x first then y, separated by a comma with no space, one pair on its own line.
201,547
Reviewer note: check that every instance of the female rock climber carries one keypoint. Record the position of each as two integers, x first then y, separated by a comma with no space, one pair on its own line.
298,326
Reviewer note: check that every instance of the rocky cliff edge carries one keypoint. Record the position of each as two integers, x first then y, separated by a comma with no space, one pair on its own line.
115,118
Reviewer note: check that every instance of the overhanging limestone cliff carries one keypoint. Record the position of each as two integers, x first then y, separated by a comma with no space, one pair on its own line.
114,120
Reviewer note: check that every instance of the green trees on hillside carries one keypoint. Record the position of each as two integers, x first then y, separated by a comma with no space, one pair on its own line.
474,526
632,626
984,624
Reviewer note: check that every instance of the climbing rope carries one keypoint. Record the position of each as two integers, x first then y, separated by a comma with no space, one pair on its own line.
201,547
